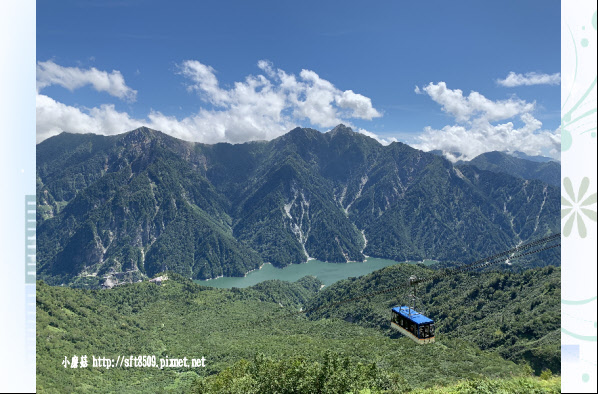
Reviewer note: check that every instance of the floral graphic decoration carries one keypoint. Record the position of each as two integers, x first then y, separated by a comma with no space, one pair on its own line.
576,208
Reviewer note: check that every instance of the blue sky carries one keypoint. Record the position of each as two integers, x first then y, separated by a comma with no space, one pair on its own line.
183,67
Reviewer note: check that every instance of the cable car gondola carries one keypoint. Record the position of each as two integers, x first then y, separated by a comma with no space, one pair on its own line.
411,323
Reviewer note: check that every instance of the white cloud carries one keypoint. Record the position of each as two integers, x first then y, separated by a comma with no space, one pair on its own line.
313,100
476,130
261,107
532,78
49,73
311,97
475,105
204,81
361,105
383,141
267,67
53,117
485,137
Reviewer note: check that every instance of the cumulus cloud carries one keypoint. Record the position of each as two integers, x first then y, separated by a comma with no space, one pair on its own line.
464,108
485,137
532,78
308,97
382,140
261,107
53,117
49,73
477,129
361,105
204,81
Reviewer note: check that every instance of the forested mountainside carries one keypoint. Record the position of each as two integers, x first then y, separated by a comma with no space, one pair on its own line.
526,168
142,202
514,314
491,328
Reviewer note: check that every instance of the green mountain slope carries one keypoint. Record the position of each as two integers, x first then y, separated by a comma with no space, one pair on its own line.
339,375
148,212
515,314
226,326
128,206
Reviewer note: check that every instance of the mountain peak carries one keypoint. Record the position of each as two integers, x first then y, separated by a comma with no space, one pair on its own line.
341,128
301,133
143,131
142,137
145,134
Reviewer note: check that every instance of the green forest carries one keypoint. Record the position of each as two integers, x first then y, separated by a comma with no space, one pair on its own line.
496,332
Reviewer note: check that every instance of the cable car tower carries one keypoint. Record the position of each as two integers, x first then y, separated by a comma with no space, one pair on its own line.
412,297
411,323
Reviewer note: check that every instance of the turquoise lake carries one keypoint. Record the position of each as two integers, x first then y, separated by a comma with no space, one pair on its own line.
328,273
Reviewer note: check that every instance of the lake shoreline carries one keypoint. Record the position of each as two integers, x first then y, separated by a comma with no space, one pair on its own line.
327,272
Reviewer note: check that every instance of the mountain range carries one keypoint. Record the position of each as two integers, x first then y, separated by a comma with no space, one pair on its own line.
519,165
143,202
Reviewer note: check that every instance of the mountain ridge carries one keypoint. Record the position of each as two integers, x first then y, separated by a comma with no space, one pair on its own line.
145,201
521,166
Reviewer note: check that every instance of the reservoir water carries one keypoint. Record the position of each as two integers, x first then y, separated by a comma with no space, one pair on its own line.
328,273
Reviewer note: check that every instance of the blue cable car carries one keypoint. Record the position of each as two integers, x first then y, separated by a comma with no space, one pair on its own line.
412,324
